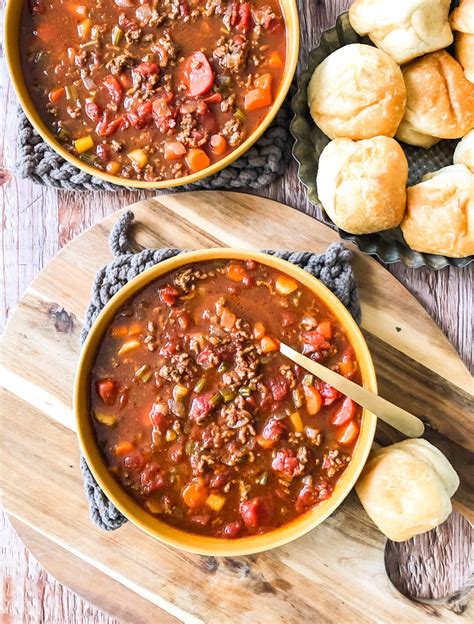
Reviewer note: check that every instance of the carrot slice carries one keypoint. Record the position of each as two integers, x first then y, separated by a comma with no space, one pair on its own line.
257,98
275,60
218,144
123,448
264,82
195,494
174,150
268,344
348,434
258,330
56,94
236,272
313,400
325,329
197,159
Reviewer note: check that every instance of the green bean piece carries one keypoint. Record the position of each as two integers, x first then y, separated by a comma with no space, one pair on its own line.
240,115
215,399
227,394
63,135
142,371
298,398
245,391
223,367
89,159
71,92
117,34
200,385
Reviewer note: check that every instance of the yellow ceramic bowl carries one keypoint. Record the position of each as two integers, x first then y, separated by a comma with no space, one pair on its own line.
128,506
11,29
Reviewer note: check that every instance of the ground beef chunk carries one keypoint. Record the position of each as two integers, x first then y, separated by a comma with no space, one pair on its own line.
234,132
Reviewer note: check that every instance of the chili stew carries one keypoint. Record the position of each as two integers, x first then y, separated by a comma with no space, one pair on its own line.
199,416
152,89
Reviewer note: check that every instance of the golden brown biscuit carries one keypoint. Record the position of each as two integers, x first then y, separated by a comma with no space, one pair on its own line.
357,92
440,101
406,488
440,213
361,184
404,29
462,22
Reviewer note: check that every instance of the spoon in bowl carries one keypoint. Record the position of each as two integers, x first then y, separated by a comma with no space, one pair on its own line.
393,415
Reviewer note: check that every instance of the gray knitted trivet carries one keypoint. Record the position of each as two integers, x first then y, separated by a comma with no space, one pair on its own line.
333,267
260,165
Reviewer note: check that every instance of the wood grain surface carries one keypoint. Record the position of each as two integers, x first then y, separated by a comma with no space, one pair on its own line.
39,463
36,222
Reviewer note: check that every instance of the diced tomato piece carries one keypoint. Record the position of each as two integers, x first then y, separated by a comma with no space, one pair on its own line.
215,98
93,110
205,358
274,430
176,451
198,74
134,461
107,390
256,512
147,69
243,23
106,127
159,420
232,529
328,393
219,480
348,434
279,387
288,319
168,294
315,339
162,114
114,88
201,406
152,479
168,349
345,413
142,115
306,498
184,8
313,399
285,462
103,151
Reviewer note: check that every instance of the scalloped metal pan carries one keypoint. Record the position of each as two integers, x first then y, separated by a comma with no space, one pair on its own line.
388,246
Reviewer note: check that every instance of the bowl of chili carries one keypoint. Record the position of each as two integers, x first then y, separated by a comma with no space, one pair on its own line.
151,94
193,423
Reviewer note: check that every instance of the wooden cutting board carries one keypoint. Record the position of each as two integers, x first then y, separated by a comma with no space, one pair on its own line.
334,574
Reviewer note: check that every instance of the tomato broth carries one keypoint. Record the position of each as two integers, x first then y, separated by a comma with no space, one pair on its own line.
200,417
152,89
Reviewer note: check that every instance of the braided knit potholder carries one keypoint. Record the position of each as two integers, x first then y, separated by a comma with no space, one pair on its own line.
333,268
261,164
